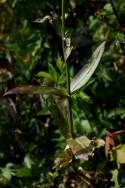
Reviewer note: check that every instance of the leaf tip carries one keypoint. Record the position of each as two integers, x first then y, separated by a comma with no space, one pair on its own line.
9,92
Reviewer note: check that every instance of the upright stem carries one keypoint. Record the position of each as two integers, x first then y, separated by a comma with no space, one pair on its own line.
63,27
70,119
116,14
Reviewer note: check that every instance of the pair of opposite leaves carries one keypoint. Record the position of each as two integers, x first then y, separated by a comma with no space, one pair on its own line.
79,80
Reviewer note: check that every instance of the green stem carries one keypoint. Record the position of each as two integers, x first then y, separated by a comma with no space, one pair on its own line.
116,14
70,131
63,26
70,119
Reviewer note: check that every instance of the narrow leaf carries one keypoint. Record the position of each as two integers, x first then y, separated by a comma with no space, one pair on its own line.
29,89
44,75
86,72
108,143
42,20
53,72
60,64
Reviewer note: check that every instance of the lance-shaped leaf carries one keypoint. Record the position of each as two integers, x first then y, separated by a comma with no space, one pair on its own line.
44,75
86,72
29,89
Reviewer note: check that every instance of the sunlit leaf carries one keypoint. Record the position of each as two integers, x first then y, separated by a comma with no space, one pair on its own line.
8,171
115,178
44,75
84,126
99,142
108,8
120,154
28,161
53,72
116,112
44,19
61,79
86,72
60,64
29,89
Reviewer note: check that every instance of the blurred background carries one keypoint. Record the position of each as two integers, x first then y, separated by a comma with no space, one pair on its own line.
30,42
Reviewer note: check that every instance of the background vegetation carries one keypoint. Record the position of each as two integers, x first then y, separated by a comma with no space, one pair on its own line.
31,144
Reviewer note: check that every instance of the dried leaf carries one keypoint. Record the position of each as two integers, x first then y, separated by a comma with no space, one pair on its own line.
81,147
29,89
63,159
108,143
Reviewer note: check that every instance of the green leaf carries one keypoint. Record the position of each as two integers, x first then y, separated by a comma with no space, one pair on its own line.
62,79
44,75
116,112
53,72
29,89
105,74
84,97
23,172
115,178
86,72
8,171
85,126
108,8
28,161
60,64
